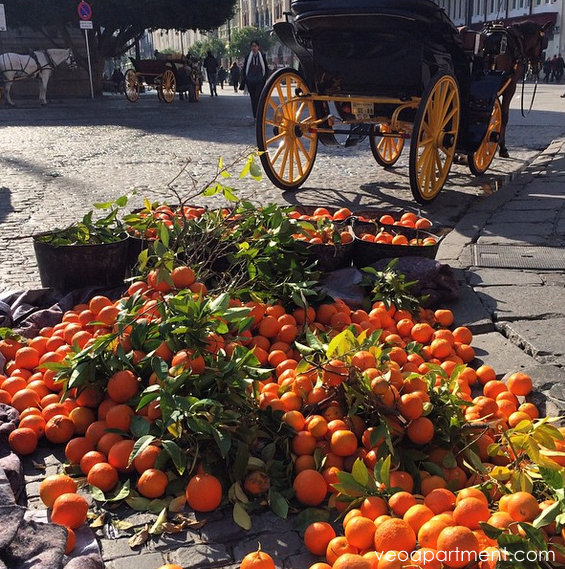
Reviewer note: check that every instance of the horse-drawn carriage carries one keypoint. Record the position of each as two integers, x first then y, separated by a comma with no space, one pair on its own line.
168,77
389,70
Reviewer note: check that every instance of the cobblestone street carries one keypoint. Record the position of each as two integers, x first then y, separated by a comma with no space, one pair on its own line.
58,160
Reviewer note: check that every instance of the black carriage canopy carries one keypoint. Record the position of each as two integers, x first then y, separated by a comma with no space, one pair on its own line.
368,47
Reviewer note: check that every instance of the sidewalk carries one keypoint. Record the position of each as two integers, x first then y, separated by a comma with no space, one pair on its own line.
510,252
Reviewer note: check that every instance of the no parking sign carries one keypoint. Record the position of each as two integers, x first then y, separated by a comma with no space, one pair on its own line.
84,11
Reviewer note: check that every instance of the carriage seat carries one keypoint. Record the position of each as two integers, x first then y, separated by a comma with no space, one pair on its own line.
472,40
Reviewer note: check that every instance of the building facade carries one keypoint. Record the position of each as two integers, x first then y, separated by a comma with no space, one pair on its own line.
477,12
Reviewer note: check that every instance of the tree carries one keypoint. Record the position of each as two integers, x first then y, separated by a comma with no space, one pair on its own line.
215,45
241,40
118,24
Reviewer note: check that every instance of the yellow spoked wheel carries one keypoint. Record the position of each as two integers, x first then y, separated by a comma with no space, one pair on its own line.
387,150
434,137
480,161
168,86
131,86
283,121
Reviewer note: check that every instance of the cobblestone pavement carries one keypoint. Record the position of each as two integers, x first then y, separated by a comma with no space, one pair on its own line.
58,160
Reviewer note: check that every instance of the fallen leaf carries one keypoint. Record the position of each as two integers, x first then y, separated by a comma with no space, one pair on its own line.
122,524
177,504
99,520
39,465
140,537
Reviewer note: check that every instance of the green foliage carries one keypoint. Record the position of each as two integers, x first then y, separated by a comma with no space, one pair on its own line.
241,39
215,45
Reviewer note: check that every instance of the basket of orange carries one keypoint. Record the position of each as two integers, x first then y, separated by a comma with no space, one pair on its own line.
328,237
389,238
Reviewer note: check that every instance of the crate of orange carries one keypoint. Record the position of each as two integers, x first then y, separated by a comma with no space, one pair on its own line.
328,237
389,238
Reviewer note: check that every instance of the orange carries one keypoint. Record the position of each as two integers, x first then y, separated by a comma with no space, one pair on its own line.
343,443
14,384
182,277
310,487
96,431
425,558
119,417
440,348
463,335
429,533
395,535
372,507
459,546
69,510
444,317
493,388
338,547
34,422
411,405
431,483
317,537
470,512
76,448
152,483
122,386
351,561
421,431
107,441
25,398
363,360
519,384
59,429
103,476
26,358
440,500
257,560
146,458
317,426
90,459
71,541
97,303
401,502
54,409
421,332
54,486
417,516
334,373
402,480
204,493
485,374
119,454
82,417
522,507
360,532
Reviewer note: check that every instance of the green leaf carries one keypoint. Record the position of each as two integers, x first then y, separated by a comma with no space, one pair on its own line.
534,535
309,516
138,503
177,455
553,478
140,445
360,472
223,440
490,531
241,517
115,496
278,504
157,527
432,468
547,516
122,201
341,344
382,471
139,426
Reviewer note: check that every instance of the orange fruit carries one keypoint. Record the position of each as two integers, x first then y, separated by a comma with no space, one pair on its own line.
71,541
440,500
97,303
351,561
119,454
343,443
444,317
107,441
522,507
76,448
27,358
204,493
401,502
35,422
90,459
59,429
363,360
119,417
82,417
471,493
460,546
421,431
152,483
69,510
23,440
54,409
417,516
394,535
372,507
146,458
360,532
25,398
338,547
54,486
103,476
429,533
122,386
485,374
182,277
431,483
257,560
310,487
411,405
317,537
519,384
303,443
470,512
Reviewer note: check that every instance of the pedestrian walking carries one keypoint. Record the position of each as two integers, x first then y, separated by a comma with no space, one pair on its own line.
546,70
222,76
254,74
211,66
235,74
553,68
560,67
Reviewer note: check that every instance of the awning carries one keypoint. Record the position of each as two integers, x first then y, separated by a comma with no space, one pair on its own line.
542,18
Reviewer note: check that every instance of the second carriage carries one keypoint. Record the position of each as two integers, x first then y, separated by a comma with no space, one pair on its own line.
389,70
167,76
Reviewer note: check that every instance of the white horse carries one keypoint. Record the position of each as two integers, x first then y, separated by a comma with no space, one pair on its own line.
37,64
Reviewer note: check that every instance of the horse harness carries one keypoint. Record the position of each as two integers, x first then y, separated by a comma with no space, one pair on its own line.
33,55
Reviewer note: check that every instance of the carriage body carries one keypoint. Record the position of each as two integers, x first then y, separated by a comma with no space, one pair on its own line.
167,76
373,64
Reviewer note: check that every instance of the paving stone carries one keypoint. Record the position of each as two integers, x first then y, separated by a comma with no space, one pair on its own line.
146,561
540,204
524,217
524,239
480,277
542,339
279,545
201,555
32,489
169,542
523,303
469,311
115,548
301,561
517,230
553,279
495,350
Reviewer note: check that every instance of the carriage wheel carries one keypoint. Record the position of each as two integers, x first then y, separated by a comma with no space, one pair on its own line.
434,137
387,150
168,86
131,86
480,161
288,148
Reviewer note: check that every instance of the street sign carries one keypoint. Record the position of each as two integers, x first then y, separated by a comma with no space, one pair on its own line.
3,27
84,11
86,25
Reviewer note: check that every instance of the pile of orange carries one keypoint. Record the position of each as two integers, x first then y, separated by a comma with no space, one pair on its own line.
319,229
388,236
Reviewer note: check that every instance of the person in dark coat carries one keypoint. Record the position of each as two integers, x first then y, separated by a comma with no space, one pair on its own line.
254,74
235,74
211,66
560,67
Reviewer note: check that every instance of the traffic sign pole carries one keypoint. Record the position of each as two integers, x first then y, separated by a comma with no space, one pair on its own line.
89,64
